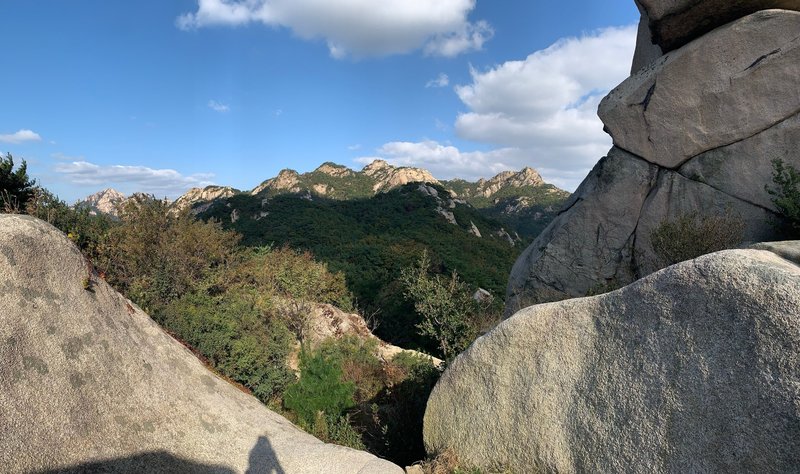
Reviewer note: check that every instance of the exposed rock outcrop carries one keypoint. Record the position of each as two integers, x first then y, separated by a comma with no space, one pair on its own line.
676,22
89,381
326,321
207,195
287,180
103,202
695,368
694,131
389,177
727,86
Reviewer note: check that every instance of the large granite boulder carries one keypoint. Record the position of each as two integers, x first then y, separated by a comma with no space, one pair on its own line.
727,86
676,22
700,128
695,368
89,382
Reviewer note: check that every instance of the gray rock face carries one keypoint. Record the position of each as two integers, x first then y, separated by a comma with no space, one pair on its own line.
646,50
729,85
695,368
89,381
700,127
591,243
676,22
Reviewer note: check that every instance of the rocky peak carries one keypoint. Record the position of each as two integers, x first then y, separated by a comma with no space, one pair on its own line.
376,167
103,202
286,180
389,177
207,194
332,169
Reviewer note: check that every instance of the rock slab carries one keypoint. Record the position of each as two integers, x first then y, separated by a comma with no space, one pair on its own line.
695,368
89,382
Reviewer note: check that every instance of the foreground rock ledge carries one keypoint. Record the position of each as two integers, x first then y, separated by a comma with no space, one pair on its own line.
695,368
89,381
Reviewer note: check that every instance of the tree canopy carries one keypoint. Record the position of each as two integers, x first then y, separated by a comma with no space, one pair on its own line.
16,187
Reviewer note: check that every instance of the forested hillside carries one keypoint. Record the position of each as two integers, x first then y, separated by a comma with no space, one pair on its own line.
371,240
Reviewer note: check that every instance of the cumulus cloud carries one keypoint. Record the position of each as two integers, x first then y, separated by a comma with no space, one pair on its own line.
356,27
160,182
218,106
539,112
20,136
542,111
441,81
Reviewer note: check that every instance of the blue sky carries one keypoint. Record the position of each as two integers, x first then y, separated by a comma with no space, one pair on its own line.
159,96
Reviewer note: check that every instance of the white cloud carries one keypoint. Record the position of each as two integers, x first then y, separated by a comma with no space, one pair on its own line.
218,106
547,103
354,147
441,81
356,27
160,182
20,137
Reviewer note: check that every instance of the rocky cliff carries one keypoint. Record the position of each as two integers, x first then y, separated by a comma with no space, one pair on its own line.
90,382
694,130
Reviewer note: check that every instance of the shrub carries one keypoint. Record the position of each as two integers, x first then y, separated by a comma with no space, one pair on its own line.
691,235
359,364
786,193
155,256
320,389
446,306
243,344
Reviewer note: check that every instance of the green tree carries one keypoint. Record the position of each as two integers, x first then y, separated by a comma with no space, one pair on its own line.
786,193
16,188
448,311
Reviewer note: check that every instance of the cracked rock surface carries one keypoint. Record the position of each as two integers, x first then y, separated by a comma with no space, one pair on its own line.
695,130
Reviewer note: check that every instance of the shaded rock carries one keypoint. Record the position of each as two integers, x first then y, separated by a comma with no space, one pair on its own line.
591,241
727,86
745,167
695,368
674,195
646,50
89,379
676,22
788,249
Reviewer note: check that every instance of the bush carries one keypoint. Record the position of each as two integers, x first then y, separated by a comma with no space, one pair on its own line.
155,256
244,344
320,389
449,313
786,193
691,235
359,364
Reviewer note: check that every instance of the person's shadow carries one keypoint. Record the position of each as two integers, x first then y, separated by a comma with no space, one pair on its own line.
263,459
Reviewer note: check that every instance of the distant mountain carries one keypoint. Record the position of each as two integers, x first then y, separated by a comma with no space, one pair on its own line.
340,182
203,197
521,200
103,202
